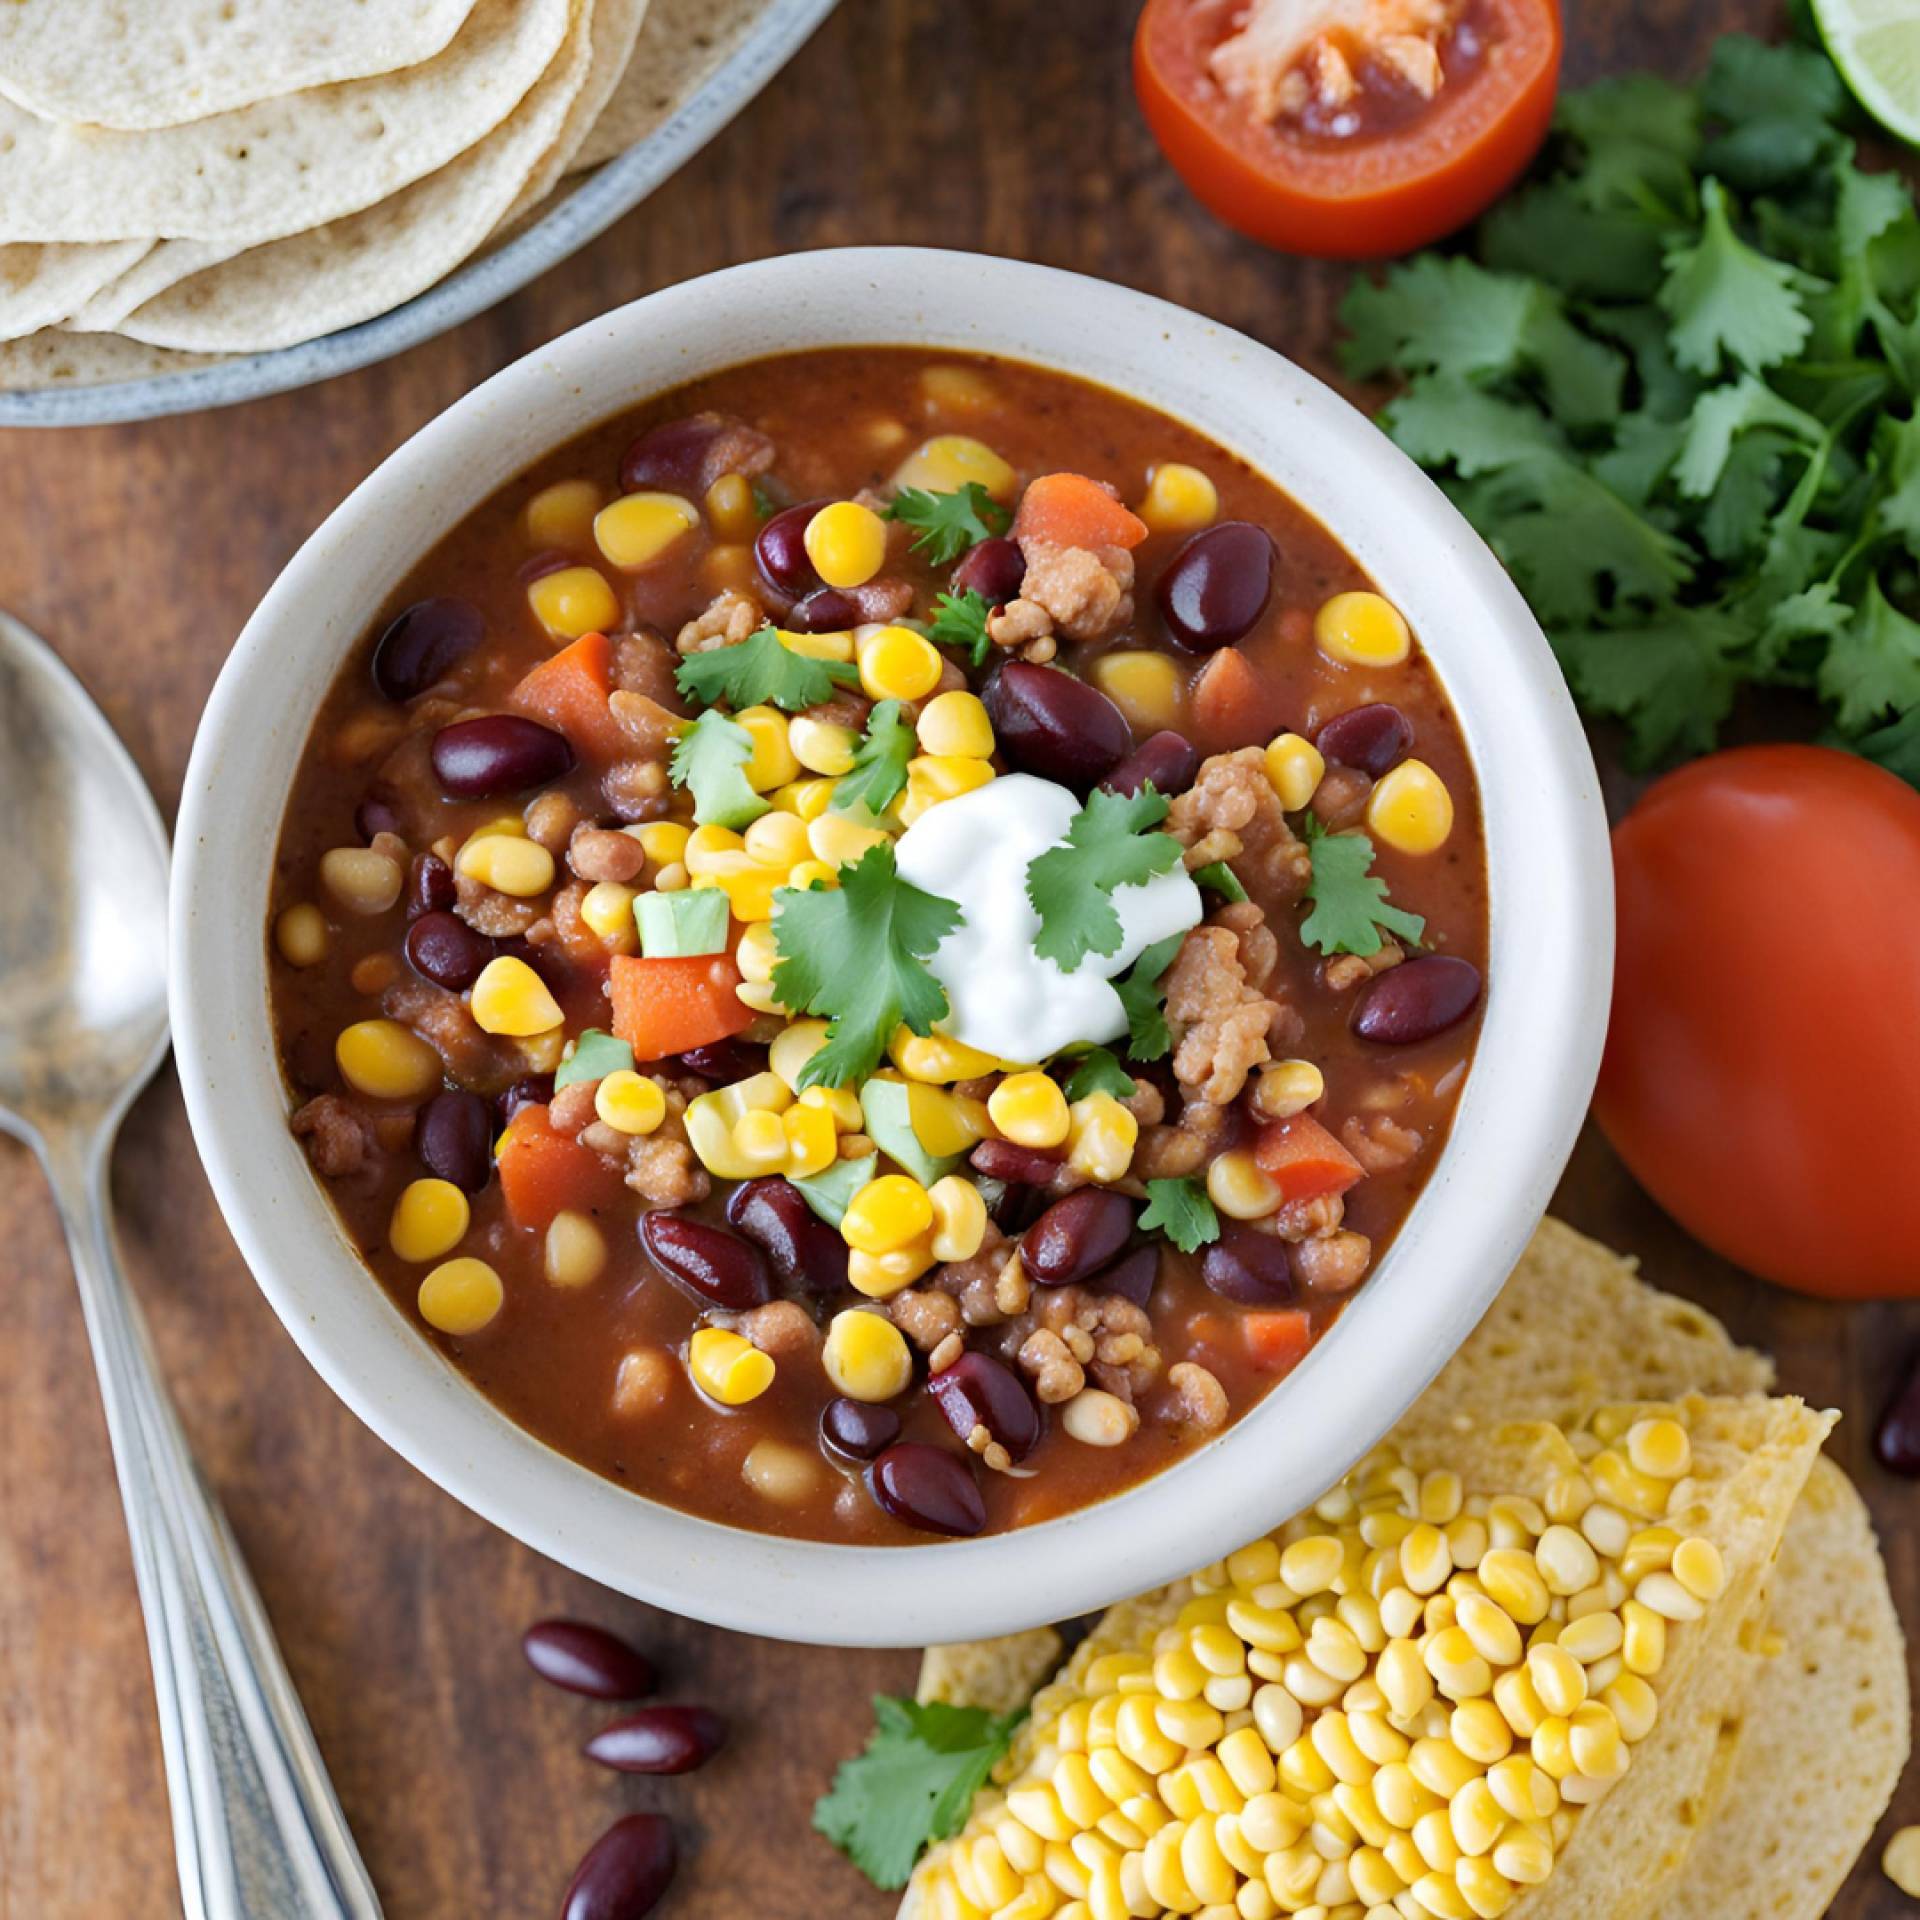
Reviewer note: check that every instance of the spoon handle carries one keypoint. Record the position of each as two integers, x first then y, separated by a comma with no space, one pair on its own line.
256,1827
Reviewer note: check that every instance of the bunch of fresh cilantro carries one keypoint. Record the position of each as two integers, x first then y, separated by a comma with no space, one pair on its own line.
1672,381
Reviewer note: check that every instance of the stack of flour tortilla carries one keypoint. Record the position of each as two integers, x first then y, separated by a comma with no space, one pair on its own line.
1755,1803
187,178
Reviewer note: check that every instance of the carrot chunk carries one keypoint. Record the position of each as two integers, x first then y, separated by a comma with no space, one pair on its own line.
1231,704
1069,510
1277,1338
1304,1160
543,1173
570,692
662,1007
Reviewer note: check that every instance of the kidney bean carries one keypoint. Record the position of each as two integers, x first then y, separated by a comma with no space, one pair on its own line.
713,1265
447,951
927,1487
1050,724
424,643
583,1658
625,1872
1373,738
826,610
1896,1441
1076,1236
498,753
537,566
980,1391
726,1061
1018,1166
804,1250
858,1429
1217,585
430,887
1416,1000
374,815
1168,759
780,548
659,1740
531,1090
688,455
994,569
1248,1266
1131,1276
455,1138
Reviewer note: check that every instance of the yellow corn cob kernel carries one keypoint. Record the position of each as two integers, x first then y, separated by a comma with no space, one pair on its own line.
510,998
731,511
818,646
772,763
1178,499
1240,1187
507,863
897,664
574,1253
821,746
959,1218
1410,809
429,1219
562,515
881,1275
886,1214
629,1102
1295,769
840,841
300,935
1362,630
948,461
1101,1135
1148,688
866,1356
806,874
812,1142
935,1058
637,529
663,841
573,601
840,1104
461,1296
793,1046
386,1061
727,1368
932,778
847,543
955,725
1030,1110
608,910
777,839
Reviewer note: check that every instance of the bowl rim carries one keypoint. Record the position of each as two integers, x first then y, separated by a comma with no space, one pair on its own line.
1520,1109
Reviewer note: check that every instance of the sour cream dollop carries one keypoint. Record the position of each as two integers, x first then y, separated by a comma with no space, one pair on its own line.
1005,998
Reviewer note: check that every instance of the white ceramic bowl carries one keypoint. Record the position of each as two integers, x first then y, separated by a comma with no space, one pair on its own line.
1550,960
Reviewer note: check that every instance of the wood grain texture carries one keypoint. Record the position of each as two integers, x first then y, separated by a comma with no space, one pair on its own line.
1003,125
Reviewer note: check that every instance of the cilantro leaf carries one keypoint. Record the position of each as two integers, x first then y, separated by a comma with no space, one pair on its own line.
1441,420
1872,665
708,758
592,1057
879,772
1435,314
914,1783
1721,413
1148,1035
947,524
760,671
1108,846
1350,905
1181,1210
853,955
1221,878
1097,1071
1670,677
1724,298
960,620
1776,105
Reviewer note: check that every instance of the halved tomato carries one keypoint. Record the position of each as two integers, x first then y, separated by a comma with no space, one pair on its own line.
1351,130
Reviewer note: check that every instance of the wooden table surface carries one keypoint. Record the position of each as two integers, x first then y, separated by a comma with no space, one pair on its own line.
1003,125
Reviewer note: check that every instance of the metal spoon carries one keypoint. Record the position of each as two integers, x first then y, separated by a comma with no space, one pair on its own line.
83,1025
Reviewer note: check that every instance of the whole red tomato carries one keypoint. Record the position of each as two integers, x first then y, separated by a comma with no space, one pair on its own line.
1762,1071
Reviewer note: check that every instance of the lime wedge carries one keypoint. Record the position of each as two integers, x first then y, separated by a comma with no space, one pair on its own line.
1876,46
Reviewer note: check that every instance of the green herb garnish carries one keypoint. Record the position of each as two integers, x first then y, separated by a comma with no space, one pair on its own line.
762,672
1108,846
1350,905
707,760
1222,879
1148,1035
595,1055
879,772
947,524
1097,1071
960,620
1182,1211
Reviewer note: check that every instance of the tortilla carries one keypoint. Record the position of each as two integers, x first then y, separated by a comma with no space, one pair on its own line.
349,270
41,285
997,1674
52,358
117,63
262,172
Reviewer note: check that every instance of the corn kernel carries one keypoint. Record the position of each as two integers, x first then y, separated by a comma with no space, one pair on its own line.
948,461
812,1142
808,798
1147,687
817,646
935,1058
573,601
886,1214
460,1296
955,724
805,875
1286,1088
777,839
608,909
1178,499
1294,769
1698,1567
562,515
629,1102
1410,809
898,664
507,863
636,530
881,1275
663,841
386,1061
727,1368
932,778
821,746
772,763
1362,630
1659,1448
793,1046
959,1218
430,1218
575,1250
361,880
839,841
749,892
1030,1110
760,1141
510,998
731,510
847,543
866,1356
944,1123
756,953
300,935
1241,1188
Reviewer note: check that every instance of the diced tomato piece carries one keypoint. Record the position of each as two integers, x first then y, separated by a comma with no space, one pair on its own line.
1231,705
662,1007
570,692
543,1173
1277,1338
1304,1160
1069,510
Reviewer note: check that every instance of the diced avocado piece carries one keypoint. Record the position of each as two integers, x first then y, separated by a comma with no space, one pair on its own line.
887,1108
594,1056
677,926
830,1193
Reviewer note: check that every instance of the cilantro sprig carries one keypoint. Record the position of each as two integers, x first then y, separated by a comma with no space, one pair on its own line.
1675,382
1351,910
960,620
708,759
1108,845
1182,1211
1097,1071
913,1785
947,524
1148,1035
879,771
760,671
854,955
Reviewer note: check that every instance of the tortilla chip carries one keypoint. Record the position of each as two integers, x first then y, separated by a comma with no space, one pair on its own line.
996,1674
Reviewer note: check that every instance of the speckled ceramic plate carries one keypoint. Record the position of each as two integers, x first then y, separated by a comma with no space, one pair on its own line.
578,212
